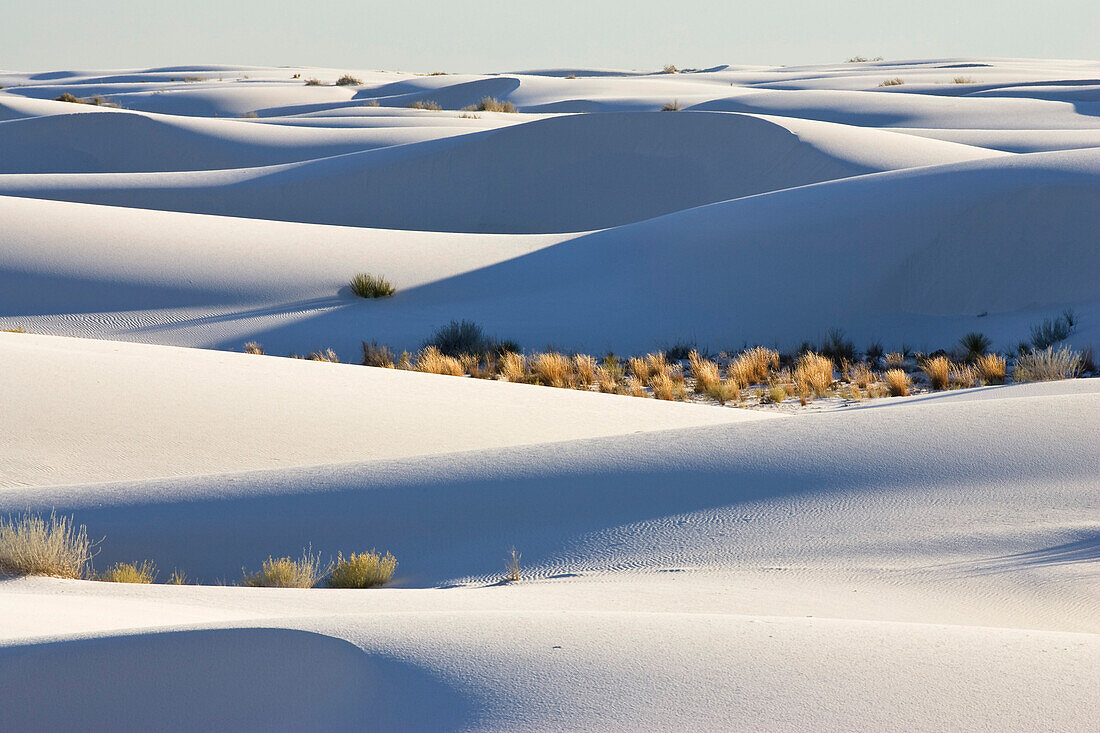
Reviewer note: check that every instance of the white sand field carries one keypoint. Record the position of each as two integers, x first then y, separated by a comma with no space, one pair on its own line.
923,563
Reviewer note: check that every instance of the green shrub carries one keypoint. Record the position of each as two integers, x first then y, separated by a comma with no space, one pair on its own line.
460,337
1053,330
347,80
366,285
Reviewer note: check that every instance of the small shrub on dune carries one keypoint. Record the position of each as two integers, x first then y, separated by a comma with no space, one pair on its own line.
313,82
377,355
552,369
861,376
635,387
1053,330
895,360
31,545
67,97
777,395
670,69
491,104
608,377
364,570
405,361
584,370
974,344
639,368
813,374
724,391
896,81
673,106
991,368
285,572
478,366
1047,365
177,577
347,80
704,371
898,382
512,566
434,361
459,337
328,355
963,376
427,104
124,572
938,371
366,285
252,347
963,80
513,367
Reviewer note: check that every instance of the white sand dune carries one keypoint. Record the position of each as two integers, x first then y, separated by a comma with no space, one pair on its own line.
924,563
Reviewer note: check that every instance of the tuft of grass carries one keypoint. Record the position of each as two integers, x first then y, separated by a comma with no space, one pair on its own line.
665,386
427,104
1053,330
377,355
777,394
17,329
1047,365
704,371
125,572
347,80
314,82
938,371
635,387
963,376
460,337
366,285
725,391
670,69
31,545
896,81
434,361
584,370
813,374
178,577
285,572
991,368
608,376
252,347
963,80
513,367
898,382
67,97
753,366
363,570
552,369
861,375
512,566
673,106
328,355
491,104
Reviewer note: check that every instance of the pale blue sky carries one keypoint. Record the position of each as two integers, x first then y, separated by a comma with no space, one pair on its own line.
462,35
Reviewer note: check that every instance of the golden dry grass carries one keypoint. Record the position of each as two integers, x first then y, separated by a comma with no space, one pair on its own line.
898,382
777,394
861,375
991,368
512,566
1047,365
666,387
253,348
491,104
635,387
285,572
753,366
704,371
607,379
434,361
813,375
895,360
584,370
178,577
31,545
364,570
896,81
552,369
427,104
144,572
513,367
938,371
963,376
17,329
328,355
725,391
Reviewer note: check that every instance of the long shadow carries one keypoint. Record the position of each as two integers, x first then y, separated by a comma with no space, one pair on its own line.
242,679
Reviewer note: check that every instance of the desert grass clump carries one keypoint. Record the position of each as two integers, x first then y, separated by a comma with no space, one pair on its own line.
67,97
286,572
328,355
17,329
31,545
512,566
974,345
753,366
777,395
584,370
552,369
366,285
144,572
513,367
314,82
491,104
427,104
704,371
433,361
1047,365
673,106
177,577
666,387
460,337
635,387
896,81
861,375
347,80
670,69
938,371
895,360
724,391
991,368
363,570
253,347
813,374
963,376
963,80
1053,330
608,377
898,382
377,355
